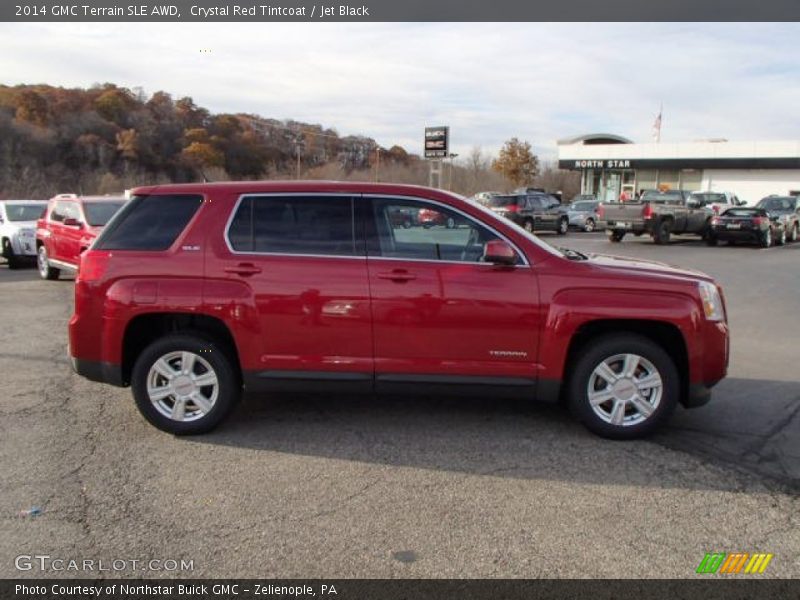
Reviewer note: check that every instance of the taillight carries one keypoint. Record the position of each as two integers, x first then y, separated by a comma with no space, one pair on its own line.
600,211
647,211
715,209
715,220
513,208
759,220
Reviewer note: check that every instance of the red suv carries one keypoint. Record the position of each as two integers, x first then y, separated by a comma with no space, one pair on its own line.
197,292
68,226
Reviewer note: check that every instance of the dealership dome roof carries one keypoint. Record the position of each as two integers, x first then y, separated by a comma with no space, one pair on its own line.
594,138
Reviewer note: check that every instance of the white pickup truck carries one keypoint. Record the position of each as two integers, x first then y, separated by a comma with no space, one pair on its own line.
719,202
18,229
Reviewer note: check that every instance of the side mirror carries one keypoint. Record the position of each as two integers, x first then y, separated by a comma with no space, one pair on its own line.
499,252
72,222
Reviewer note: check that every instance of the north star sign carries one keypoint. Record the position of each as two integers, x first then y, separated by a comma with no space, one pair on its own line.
602,164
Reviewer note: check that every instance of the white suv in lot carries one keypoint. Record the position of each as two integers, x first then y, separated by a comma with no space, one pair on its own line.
18,229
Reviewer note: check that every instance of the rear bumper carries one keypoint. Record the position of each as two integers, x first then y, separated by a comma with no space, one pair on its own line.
741,235
98,371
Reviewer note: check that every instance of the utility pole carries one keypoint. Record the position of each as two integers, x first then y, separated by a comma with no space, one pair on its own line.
297,144
377,163
451,156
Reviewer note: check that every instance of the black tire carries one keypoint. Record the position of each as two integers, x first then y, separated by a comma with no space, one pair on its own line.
450,223
563,226
528,225
589,226
229,383
615,236
406,224
11,259
780,240
711,239
663,232
609,346
795,233
43,264
765,240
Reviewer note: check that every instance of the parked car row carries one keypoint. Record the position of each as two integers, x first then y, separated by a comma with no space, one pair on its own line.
712,216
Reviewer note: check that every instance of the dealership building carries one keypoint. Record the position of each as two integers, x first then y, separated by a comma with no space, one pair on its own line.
610,164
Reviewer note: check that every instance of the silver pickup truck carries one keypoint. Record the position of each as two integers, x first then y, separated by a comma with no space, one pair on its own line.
657,213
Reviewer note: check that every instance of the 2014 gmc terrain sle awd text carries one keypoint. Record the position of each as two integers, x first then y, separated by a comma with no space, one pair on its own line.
196,292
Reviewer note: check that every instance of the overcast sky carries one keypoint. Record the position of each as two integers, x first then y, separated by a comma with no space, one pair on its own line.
537,81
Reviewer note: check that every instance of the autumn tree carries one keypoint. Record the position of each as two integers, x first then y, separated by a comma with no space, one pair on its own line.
517,162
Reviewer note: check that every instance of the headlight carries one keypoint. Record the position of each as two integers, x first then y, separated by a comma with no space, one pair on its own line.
712,302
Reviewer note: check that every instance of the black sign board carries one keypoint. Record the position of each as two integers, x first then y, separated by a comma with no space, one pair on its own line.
437,142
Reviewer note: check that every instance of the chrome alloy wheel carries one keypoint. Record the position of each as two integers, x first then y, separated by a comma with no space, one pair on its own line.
182,386
625,389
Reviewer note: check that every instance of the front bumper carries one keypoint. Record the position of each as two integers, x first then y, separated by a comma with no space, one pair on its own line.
23,246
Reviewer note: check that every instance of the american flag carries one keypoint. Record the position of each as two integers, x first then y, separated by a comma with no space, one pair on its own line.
657,125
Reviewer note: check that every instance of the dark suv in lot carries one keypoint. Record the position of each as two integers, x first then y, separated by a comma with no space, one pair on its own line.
533,211
194,293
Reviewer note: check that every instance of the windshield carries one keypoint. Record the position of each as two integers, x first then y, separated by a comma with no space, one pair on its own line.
24,212
100,213
670,196
707,198
777,203
503,200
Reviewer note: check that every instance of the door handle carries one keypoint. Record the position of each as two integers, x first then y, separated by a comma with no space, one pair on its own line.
398,275
243,269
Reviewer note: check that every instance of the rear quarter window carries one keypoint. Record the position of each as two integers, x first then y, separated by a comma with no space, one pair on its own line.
149,222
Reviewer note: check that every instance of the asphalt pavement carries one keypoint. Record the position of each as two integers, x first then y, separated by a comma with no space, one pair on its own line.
353,487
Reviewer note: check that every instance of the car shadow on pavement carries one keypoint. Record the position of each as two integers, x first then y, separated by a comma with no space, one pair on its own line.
529,440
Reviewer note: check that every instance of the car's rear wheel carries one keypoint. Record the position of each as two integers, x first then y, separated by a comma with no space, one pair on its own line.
528,225
450,223
616,236
623,386
780,239
795,233
43,263
184,384
589,225
766,238
663,232
563,226
711,239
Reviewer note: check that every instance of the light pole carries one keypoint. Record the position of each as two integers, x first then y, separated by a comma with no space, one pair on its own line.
451,156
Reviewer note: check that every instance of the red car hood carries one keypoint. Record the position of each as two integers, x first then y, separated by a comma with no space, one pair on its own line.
645,266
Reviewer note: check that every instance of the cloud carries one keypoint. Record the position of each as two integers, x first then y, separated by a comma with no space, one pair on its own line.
488,81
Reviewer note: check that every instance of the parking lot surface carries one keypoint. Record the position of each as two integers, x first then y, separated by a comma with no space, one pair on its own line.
355,487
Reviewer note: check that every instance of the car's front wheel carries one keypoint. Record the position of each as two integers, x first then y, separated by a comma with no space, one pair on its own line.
184,384
795,233
623,386
43,263
766,238
589,225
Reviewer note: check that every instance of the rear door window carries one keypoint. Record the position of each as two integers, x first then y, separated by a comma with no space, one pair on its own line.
312,225
149,222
